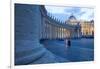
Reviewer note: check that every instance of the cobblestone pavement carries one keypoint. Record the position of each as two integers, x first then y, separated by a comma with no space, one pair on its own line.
80,50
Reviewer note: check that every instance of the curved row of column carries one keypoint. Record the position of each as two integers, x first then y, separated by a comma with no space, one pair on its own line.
50,30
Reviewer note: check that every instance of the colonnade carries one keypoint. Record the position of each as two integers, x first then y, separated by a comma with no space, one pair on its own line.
55,31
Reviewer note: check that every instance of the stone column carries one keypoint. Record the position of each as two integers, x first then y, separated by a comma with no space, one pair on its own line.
57,32
50,32
61,33
54,33
27,24
28,49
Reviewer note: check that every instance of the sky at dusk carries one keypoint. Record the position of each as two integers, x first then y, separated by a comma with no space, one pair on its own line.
62,13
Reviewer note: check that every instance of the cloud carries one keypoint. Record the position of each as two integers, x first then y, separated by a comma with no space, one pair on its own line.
56,10
72,10
88,13
63,13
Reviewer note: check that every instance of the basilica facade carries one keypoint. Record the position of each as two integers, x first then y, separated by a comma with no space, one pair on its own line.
87,27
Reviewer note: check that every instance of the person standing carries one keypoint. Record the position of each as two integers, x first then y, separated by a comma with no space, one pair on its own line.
69,43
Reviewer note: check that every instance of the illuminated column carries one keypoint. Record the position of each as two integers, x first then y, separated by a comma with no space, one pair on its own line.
63,32
55,32
58,33
47,31
52,31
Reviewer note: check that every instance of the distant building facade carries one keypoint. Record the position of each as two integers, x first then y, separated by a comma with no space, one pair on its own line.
87,27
